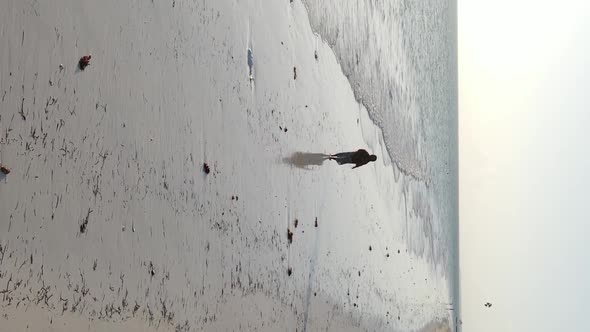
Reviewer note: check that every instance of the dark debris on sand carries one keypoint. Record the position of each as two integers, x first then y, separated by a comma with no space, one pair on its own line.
206,168
289,236
84,62
84,224
151,269
4,169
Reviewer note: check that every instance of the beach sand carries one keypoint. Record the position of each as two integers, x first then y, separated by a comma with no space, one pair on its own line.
108,221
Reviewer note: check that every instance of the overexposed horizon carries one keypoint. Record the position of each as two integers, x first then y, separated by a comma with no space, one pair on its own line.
524,69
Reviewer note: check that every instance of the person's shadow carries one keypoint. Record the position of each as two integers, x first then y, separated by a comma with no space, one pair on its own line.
305,159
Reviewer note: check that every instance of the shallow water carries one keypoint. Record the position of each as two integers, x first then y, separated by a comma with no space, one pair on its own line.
400,58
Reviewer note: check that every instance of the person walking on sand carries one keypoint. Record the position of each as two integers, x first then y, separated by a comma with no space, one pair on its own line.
359,158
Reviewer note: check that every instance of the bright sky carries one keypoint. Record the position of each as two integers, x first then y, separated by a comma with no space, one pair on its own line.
524,133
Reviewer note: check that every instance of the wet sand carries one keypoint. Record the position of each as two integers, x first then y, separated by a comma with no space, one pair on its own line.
108,221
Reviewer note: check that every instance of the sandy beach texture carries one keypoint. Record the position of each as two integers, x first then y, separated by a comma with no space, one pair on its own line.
108,221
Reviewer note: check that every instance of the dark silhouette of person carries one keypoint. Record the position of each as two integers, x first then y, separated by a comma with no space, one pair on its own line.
359,158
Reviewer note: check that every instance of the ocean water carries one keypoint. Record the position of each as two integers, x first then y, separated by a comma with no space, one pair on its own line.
400,58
